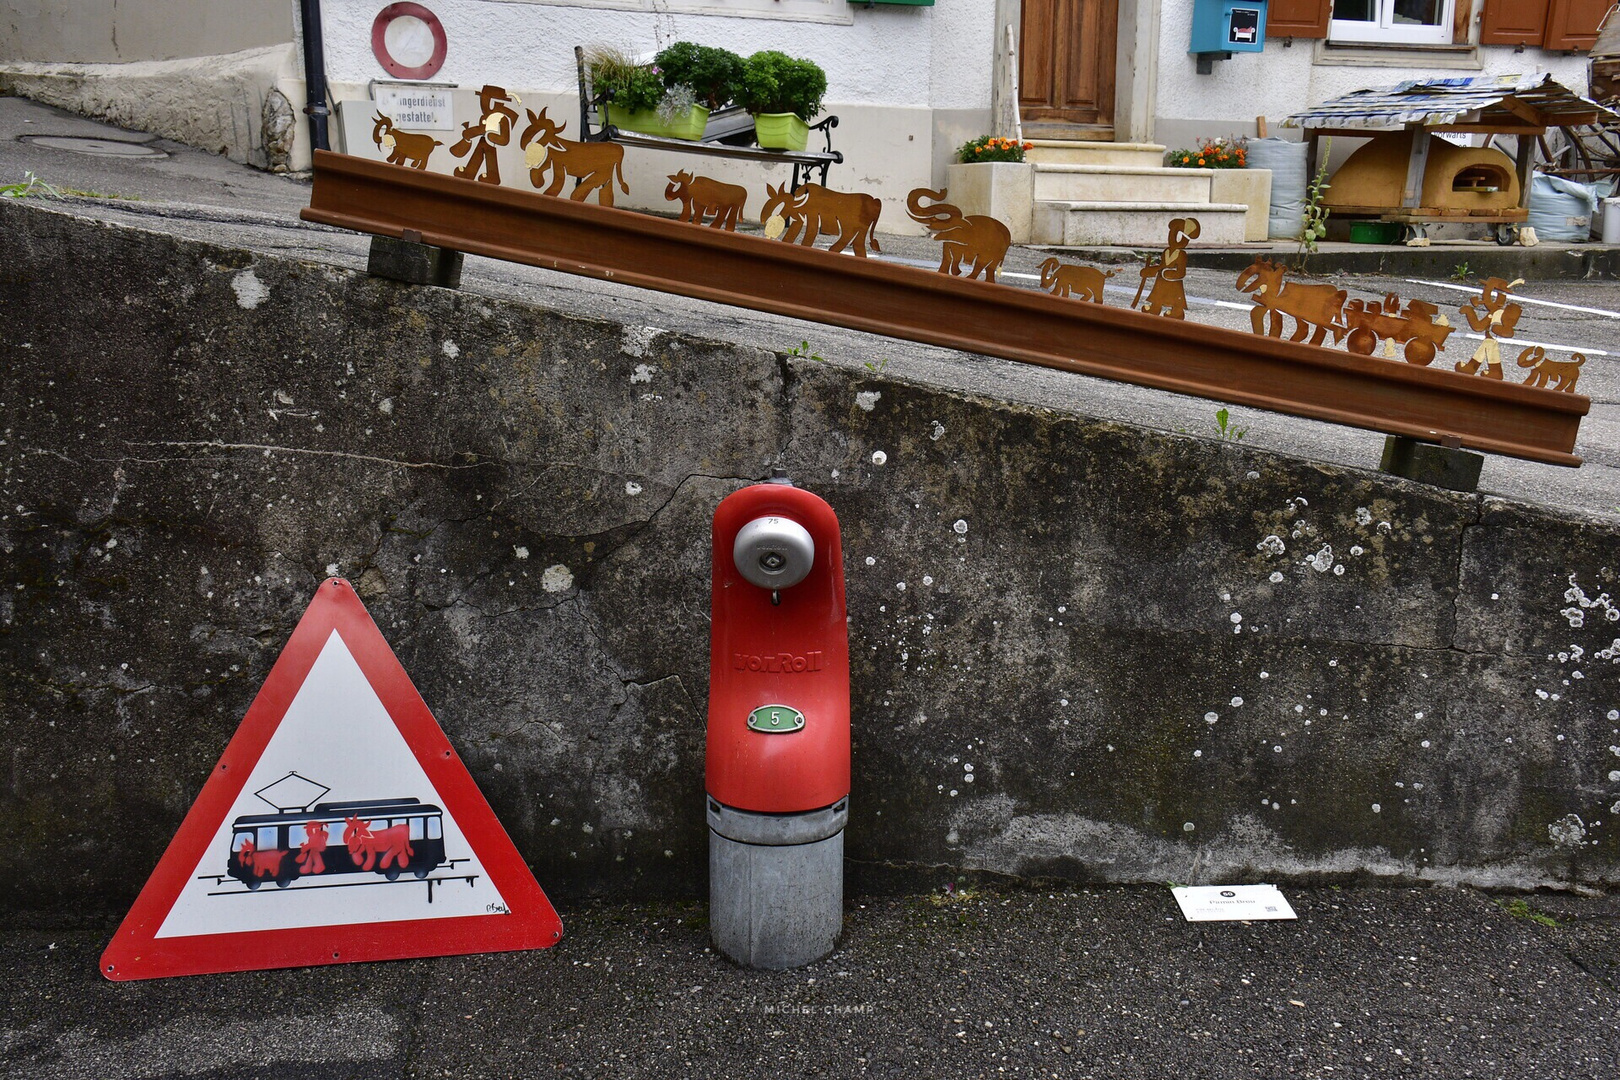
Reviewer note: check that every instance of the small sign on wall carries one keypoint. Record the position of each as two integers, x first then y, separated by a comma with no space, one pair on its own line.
416,108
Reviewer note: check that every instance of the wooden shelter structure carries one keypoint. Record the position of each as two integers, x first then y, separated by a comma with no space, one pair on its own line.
1394,174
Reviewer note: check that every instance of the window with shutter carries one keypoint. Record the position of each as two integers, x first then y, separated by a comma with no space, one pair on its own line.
1391,22
1298,18
1573,24
1513,22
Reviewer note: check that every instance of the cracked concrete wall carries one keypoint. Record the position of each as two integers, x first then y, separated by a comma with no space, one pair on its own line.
1081,649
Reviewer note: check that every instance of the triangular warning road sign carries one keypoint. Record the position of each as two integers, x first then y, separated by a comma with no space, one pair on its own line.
338,826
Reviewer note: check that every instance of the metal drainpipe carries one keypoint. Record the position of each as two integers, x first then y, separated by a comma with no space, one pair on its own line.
309,12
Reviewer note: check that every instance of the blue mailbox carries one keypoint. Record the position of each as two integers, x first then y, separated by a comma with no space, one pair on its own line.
1223,27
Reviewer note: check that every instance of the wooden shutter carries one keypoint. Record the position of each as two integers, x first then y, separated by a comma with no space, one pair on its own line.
1462,14
1514,22
1573,24
1298,18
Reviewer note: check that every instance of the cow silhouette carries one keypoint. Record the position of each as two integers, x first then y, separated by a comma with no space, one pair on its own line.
404,147
812,211
1318,306
393,844
1068,279
701,196
593,165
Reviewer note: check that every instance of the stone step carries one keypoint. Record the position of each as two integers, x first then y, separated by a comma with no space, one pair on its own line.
1071,223
1068,152
1122,183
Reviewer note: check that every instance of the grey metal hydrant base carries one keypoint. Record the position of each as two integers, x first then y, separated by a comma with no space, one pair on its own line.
776,898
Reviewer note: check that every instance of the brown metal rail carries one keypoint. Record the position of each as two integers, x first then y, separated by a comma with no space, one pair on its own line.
1429,404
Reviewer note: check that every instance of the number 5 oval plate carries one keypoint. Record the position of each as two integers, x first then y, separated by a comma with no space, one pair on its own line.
776,719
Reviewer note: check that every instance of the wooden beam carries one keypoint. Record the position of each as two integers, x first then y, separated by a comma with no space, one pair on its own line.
1417,161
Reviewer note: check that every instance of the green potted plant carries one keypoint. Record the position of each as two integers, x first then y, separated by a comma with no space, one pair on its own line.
713,74
633,97
784,94
628,92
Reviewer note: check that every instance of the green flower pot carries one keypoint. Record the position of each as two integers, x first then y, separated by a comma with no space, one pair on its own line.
648,122
781,131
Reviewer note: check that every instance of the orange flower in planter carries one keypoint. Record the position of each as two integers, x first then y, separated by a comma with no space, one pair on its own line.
992,148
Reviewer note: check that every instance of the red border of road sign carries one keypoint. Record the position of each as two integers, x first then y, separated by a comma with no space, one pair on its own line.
379,41
136,953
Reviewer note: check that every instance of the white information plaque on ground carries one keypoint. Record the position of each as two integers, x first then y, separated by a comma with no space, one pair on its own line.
1232,903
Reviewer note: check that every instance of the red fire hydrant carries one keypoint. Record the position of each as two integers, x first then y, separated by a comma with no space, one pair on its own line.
777,770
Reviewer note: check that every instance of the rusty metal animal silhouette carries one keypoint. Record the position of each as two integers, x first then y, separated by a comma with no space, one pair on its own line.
811,211
1080,282
701,196
980,241
594,166
1552,374
403,147
1310,305
1168,297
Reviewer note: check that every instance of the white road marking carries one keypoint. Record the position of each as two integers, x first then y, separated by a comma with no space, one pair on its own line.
1519,299
1508,343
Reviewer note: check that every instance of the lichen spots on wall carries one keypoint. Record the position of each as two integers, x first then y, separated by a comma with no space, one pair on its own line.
250,291
637,340
1581,605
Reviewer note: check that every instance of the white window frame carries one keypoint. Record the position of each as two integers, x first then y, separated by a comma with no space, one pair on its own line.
1386,31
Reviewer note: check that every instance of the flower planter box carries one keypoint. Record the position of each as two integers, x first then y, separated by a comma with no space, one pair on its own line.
781,131
1004,190
648,122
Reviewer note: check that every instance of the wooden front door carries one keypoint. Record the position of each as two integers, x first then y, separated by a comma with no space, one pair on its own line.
1066,68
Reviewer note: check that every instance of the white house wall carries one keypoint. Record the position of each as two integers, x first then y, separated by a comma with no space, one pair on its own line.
937,57
1288,78
909,84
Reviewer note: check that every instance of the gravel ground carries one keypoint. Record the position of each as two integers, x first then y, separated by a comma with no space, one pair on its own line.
1105,983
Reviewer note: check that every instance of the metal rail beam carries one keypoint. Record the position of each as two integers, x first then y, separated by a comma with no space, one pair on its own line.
1428,404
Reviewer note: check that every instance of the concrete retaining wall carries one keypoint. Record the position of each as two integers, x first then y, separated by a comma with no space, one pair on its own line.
1080,648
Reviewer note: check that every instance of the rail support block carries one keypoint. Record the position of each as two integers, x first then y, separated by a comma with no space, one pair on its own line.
1440,466
414,263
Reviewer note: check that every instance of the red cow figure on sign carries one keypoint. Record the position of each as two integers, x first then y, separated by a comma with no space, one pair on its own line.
393,844
265,864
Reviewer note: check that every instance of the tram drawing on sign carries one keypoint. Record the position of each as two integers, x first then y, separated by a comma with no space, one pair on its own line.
390,837
322,843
